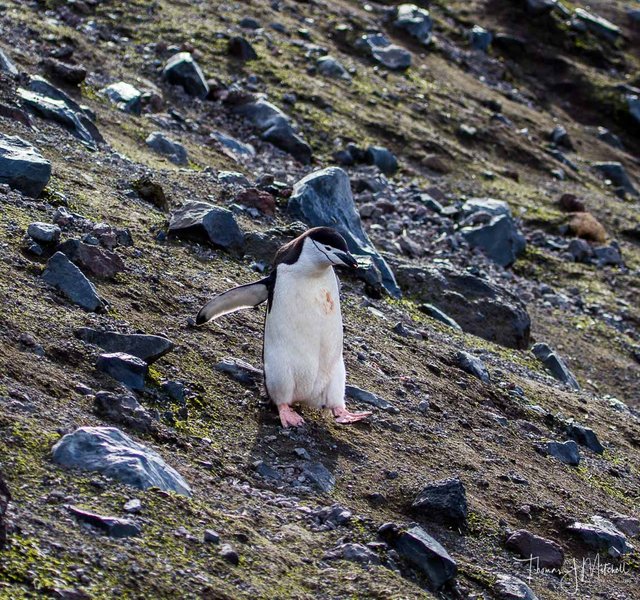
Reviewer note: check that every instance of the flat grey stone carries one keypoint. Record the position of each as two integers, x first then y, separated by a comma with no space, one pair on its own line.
109,451
147,347
62,274
360,395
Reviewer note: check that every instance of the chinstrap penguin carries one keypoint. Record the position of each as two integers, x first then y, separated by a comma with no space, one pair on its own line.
302,345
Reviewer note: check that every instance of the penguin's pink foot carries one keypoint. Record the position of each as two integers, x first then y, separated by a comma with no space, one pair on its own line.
344,417
289,417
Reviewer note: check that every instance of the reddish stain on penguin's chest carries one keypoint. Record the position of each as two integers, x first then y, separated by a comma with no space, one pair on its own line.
326,301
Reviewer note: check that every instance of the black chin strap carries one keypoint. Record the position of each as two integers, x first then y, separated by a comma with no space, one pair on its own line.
323,252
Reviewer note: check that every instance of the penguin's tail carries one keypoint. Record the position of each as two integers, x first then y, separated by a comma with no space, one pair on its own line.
243,296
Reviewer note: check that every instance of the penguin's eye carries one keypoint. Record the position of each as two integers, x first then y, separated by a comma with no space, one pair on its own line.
328,248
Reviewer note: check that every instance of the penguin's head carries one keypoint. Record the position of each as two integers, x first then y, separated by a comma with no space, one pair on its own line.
325,246
320,247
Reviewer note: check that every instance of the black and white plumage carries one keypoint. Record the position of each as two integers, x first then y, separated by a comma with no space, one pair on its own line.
303,338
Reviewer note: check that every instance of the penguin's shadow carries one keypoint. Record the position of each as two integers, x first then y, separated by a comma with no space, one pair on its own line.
282,456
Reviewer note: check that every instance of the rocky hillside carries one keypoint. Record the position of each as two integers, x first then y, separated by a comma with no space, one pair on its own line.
480,157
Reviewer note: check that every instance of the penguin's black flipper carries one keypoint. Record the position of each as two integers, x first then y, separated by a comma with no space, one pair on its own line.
243,296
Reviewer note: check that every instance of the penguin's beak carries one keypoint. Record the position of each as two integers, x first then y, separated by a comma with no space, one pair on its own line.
348,259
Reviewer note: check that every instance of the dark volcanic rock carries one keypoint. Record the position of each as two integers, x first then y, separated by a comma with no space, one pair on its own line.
383,51
546,553
173,150
126,97
415,21
182,70
147,347
473,365
112,526
382,158
240,370
436,313
359,395
584,436
22,167
500,239
65,72
127,369
480,38
330,67
92,259
203,221
114,454
45,233
598,25
242,49
443,501
602,535
566,452
617,174
320,476
324,198
124,409
479,307
62,274
540,7
425,554
51,103
275,127
555,364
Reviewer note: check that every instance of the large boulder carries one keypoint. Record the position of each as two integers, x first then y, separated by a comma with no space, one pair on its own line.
182,70
51,103
479,307
62,274
275,127
147,347
22,167
203,221
585,436
324,198
109,451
